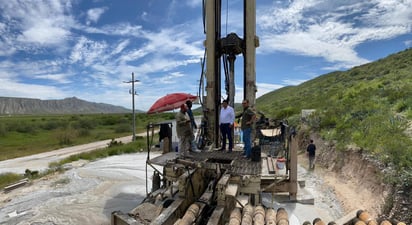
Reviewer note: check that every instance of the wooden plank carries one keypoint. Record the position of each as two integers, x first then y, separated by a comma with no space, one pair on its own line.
216,217
271,166
275,166
18,184
232,190
221,189
264,170
172,213
242,200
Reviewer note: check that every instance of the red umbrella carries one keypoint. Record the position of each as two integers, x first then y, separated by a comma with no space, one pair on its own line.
170,102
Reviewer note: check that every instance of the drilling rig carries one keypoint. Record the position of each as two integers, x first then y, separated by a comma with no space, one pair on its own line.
225,49
214,187
210,184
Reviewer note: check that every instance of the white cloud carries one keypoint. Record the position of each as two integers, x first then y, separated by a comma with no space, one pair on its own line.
10,88
42,23
334,29
171,78
193,3
93,15
120,47
264,88
144,16
101,57
291,82
44,33
133,55
58,78
88,52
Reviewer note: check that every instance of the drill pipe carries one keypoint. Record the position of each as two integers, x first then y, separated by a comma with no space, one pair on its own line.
365,217
270,217
259,215
385,222
235,217
318,221
282,217
247,217
190,216
357,221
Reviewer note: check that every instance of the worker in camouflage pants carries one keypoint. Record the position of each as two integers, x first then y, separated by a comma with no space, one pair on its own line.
184,131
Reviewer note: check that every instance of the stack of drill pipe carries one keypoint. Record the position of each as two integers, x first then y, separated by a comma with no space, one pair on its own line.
235,217
306,223
190,216
247,216
270,217
282,217
400,223
366,218
259,215
318,221
357,221
390,222
332,223
385,222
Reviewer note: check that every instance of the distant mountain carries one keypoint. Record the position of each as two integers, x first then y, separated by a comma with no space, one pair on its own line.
10,105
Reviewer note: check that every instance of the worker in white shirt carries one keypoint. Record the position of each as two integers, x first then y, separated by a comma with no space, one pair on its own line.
226,121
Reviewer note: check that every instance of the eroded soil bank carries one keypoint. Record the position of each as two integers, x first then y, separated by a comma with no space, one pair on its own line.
359,181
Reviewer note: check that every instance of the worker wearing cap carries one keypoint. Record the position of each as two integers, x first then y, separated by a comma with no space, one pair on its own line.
183,130
193,147
248,119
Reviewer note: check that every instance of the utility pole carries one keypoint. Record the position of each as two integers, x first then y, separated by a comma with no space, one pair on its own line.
133,93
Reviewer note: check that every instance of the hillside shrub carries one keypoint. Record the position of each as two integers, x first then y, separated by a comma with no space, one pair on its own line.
53,124
83,123
65,136
3,130
122,128
401,106
25,128
83,132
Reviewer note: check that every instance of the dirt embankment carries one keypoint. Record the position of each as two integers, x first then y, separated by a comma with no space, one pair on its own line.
359,181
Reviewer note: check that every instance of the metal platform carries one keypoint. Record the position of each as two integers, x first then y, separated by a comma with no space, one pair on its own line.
234,161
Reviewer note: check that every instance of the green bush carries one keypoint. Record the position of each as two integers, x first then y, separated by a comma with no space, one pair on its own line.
83,132
53,124
123,128
65,137
26,128
401,106
83,123
3,130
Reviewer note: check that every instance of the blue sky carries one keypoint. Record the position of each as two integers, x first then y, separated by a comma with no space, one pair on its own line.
54,49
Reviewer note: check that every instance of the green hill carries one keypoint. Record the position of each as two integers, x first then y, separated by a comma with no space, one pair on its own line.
369,106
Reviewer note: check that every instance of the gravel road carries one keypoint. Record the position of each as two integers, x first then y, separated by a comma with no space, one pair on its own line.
40,162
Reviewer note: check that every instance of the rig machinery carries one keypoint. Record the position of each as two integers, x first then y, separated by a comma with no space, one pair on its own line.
214,187
210,184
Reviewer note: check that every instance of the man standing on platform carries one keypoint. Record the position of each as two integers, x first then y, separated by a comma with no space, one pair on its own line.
226,122
248,118
193,147
184,131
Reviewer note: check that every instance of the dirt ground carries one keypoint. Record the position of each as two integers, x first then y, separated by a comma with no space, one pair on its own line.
98,187
347,190
356,181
